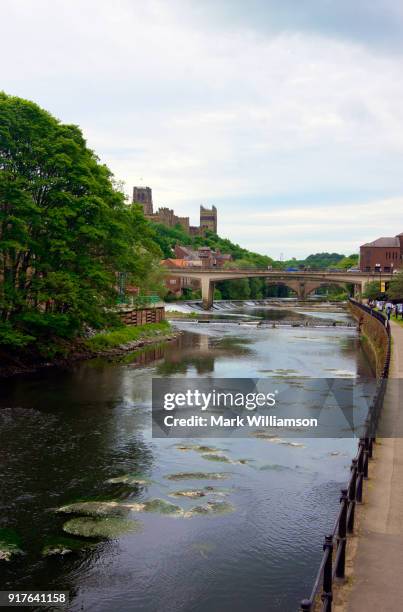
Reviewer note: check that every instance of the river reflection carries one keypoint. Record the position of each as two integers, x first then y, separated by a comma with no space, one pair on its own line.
65,434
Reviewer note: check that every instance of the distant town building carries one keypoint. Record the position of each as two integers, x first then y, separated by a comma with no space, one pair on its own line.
204,256
382,255
176,284
166,216
186,258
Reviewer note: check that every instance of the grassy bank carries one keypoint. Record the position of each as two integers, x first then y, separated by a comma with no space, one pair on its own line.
126,334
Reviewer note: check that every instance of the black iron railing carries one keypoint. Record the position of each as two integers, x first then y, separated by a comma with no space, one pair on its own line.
333,561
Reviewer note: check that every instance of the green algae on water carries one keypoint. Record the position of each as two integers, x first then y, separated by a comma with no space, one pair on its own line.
106,527
10,544
156,505
129,479
195,493
275,467
211,508
198,476
225,459
212,457
95,508
197,448
61,545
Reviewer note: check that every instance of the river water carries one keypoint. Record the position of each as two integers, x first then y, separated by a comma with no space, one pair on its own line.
65,433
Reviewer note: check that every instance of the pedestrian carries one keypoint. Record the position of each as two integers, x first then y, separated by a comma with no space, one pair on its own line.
388,311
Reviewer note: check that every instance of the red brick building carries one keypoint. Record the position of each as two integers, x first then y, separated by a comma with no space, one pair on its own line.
186,258
204,256
175,284
382,255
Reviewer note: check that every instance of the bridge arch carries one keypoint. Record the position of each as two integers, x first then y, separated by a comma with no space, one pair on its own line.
312,286
293,285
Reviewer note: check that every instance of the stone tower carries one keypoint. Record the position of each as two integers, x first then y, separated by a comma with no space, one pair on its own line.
208,219
144,196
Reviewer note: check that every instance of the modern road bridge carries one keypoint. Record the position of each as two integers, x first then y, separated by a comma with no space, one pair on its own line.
303,282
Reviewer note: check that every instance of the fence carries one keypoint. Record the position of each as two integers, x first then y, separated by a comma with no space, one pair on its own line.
333,561
140,301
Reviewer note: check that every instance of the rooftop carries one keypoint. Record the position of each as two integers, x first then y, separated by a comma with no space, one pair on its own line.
384,242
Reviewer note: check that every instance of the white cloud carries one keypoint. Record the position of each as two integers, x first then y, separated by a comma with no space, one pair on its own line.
215,116
298,231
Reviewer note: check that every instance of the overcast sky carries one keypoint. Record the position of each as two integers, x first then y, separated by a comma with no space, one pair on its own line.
285,114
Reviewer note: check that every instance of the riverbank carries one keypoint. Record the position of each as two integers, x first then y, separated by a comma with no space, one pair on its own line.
105,344
373,337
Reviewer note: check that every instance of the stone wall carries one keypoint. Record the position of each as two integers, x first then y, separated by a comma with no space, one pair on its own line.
141,316
374,336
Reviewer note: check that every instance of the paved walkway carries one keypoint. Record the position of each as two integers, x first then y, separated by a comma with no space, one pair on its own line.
378,565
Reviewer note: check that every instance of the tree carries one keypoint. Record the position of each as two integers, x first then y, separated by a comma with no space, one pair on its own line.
234,289
65,229
257,288
348,262
372,291
395,289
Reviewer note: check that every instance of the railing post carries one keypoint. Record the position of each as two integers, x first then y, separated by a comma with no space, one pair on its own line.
327,594
306,605
370,447
366,457
342,536
351,496
360,473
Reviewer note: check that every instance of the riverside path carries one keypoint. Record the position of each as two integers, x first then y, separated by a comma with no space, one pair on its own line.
378,565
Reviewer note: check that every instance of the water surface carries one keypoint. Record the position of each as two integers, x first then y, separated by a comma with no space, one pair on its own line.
64,434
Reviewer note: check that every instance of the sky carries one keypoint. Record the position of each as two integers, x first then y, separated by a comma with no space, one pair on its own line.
287,116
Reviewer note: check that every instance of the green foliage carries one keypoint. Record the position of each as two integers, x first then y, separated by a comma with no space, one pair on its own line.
9,336
395,289
125,334
315,261
235,289
372,291
65,230
348,262
168,237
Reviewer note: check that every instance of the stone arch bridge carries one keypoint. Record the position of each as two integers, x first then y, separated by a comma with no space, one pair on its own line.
303,282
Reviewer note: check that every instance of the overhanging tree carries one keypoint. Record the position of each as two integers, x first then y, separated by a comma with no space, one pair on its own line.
65,230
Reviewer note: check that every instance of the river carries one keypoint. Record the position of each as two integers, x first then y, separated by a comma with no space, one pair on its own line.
65,433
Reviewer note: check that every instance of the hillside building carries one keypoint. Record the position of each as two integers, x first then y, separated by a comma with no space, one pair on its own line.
166,216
